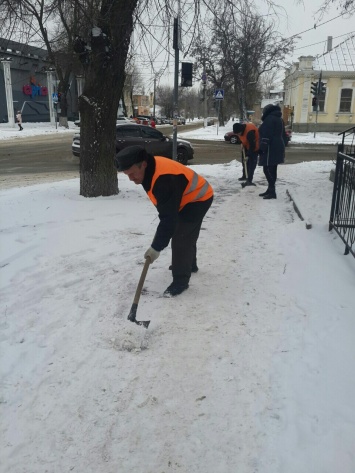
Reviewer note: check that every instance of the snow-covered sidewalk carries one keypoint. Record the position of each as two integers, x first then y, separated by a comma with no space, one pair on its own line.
250,370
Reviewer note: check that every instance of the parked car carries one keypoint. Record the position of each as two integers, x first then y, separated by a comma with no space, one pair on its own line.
211,121
146,119
232,137
118,120
181,121
124,119
129,134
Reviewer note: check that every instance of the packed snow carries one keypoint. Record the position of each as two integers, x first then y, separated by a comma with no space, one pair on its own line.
249,371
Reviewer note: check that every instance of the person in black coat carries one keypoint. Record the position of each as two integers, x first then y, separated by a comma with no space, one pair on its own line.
272,146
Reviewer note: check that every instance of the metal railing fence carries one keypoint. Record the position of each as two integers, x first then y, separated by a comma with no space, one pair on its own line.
342,214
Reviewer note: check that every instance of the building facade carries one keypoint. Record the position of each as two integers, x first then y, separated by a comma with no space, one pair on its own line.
30,83
334,109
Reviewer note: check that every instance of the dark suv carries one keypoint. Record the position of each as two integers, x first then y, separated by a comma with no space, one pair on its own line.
157,144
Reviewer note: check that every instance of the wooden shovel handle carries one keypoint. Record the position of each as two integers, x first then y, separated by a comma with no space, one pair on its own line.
141,281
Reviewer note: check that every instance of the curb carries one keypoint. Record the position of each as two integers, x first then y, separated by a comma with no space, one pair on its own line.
297,210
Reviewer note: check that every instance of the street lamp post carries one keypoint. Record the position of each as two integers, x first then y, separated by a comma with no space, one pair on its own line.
8,90
50,87
177,47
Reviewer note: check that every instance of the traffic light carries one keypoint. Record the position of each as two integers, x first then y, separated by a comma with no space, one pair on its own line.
186,74
314,104
323,88
314,88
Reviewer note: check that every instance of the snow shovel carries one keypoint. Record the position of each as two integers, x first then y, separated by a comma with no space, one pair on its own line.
133,312
245,162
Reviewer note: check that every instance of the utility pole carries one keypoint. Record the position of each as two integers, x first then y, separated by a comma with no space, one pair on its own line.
50,87
318,91
242,95
155,84
176,46
204,83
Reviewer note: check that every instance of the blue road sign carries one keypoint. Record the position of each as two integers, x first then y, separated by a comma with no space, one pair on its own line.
219,94
55,97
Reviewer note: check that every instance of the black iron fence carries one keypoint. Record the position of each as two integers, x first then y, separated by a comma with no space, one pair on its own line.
342,214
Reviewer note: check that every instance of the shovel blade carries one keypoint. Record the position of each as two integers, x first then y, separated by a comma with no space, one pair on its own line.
132,317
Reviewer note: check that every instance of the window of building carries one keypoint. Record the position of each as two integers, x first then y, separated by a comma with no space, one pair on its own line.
345,100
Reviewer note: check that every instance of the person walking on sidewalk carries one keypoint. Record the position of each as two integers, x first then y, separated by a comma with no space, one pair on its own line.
248,134
19,119
272,146
182,198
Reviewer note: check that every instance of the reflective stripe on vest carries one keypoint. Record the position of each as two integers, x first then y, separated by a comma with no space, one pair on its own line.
197,189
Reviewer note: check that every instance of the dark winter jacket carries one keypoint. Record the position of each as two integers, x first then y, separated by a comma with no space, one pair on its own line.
168,191
272,146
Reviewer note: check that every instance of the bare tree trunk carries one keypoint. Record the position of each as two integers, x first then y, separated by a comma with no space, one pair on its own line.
99,105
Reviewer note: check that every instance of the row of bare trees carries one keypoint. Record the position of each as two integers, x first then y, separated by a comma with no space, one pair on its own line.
227,38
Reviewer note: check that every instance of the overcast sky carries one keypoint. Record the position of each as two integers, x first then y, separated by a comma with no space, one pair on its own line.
313,42
300,20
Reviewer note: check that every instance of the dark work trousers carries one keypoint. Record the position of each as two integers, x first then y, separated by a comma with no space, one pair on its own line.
271,176
183,248
251,165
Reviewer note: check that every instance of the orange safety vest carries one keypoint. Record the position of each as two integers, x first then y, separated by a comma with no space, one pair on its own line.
243,137
197,189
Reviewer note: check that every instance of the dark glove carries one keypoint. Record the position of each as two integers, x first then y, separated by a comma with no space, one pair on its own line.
152,254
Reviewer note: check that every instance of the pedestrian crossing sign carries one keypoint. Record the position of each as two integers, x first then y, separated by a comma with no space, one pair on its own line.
219,94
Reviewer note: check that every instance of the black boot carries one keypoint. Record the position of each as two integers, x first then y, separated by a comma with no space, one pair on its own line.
270,195
243,178
248,183
263,194
175,289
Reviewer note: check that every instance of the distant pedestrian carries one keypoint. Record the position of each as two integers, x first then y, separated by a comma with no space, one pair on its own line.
248,134
152,122
19,119
272,146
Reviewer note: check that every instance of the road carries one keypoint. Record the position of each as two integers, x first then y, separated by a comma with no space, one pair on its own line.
47,158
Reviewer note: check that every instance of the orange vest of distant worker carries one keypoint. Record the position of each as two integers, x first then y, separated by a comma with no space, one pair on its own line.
197,189
243,138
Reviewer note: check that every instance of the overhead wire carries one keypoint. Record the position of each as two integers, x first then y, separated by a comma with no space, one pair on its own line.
321,24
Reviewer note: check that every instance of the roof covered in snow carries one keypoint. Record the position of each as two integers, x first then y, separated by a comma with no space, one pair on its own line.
340,58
